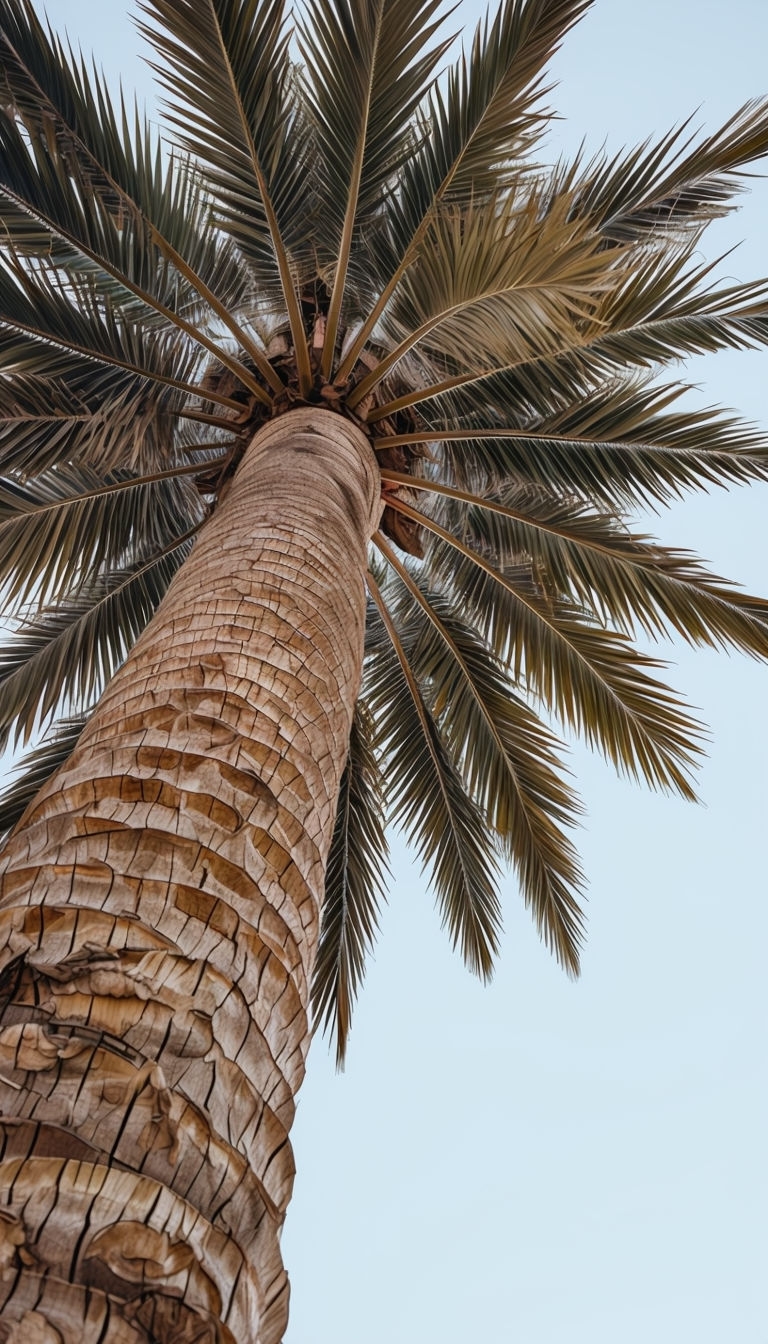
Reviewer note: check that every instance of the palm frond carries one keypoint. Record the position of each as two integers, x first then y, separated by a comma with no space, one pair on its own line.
35,769
225,65
629,580
617,445
427,798
90,416
368,64
100,420
66,525
354,886
474,138
661,309
506,756
674,184
590,677
654,314
97,236
103,172
493,285
43,425
49,332
67,654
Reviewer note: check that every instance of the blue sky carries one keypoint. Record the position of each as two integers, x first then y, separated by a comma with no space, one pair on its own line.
542,1161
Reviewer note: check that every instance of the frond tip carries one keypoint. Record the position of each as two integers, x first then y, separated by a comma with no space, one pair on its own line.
354,887
427,798
507,758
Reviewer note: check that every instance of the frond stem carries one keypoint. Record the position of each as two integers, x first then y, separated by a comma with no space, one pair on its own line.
203,418
515,515
406,670
268,373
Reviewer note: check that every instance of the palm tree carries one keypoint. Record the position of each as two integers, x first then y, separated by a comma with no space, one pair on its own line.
323,422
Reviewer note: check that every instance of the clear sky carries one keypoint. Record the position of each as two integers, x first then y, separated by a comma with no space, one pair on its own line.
541,1161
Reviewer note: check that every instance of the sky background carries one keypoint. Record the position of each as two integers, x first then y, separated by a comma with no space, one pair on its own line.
542,1161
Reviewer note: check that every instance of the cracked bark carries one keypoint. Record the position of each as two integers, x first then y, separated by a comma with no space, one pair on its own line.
159,910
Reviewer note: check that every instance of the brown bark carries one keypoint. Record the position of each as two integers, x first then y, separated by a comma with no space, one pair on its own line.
159,909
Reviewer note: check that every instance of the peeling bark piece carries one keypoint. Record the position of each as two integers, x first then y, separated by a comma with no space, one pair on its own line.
136,1252
12,1239
173,1322
29,1047
80,1315
33,1329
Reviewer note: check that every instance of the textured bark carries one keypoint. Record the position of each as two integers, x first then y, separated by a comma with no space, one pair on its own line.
159,908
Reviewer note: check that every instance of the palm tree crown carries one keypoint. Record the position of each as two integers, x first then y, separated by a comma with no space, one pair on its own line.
330,220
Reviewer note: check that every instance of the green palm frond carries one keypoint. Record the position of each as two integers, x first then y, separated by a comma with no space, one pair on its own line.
426,797
663,307
629,580
367,67
472,139
68,653
354,886
48,422
506,756
49,332
68,524
42,424
36,768
590,677
492,113
662,311
675,184
618,446
45,216
225,66
96,235
107,171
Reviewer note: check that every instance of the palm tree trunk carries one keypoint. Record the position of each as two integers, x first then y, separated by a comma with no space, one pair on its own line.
159,908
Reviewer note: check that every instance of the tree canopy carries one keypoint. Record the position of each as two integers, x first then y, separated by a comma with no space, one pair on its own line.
328,217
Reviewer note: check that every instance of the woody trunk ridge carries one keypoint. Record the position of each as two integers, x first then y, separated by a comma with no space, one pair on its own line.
159,917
